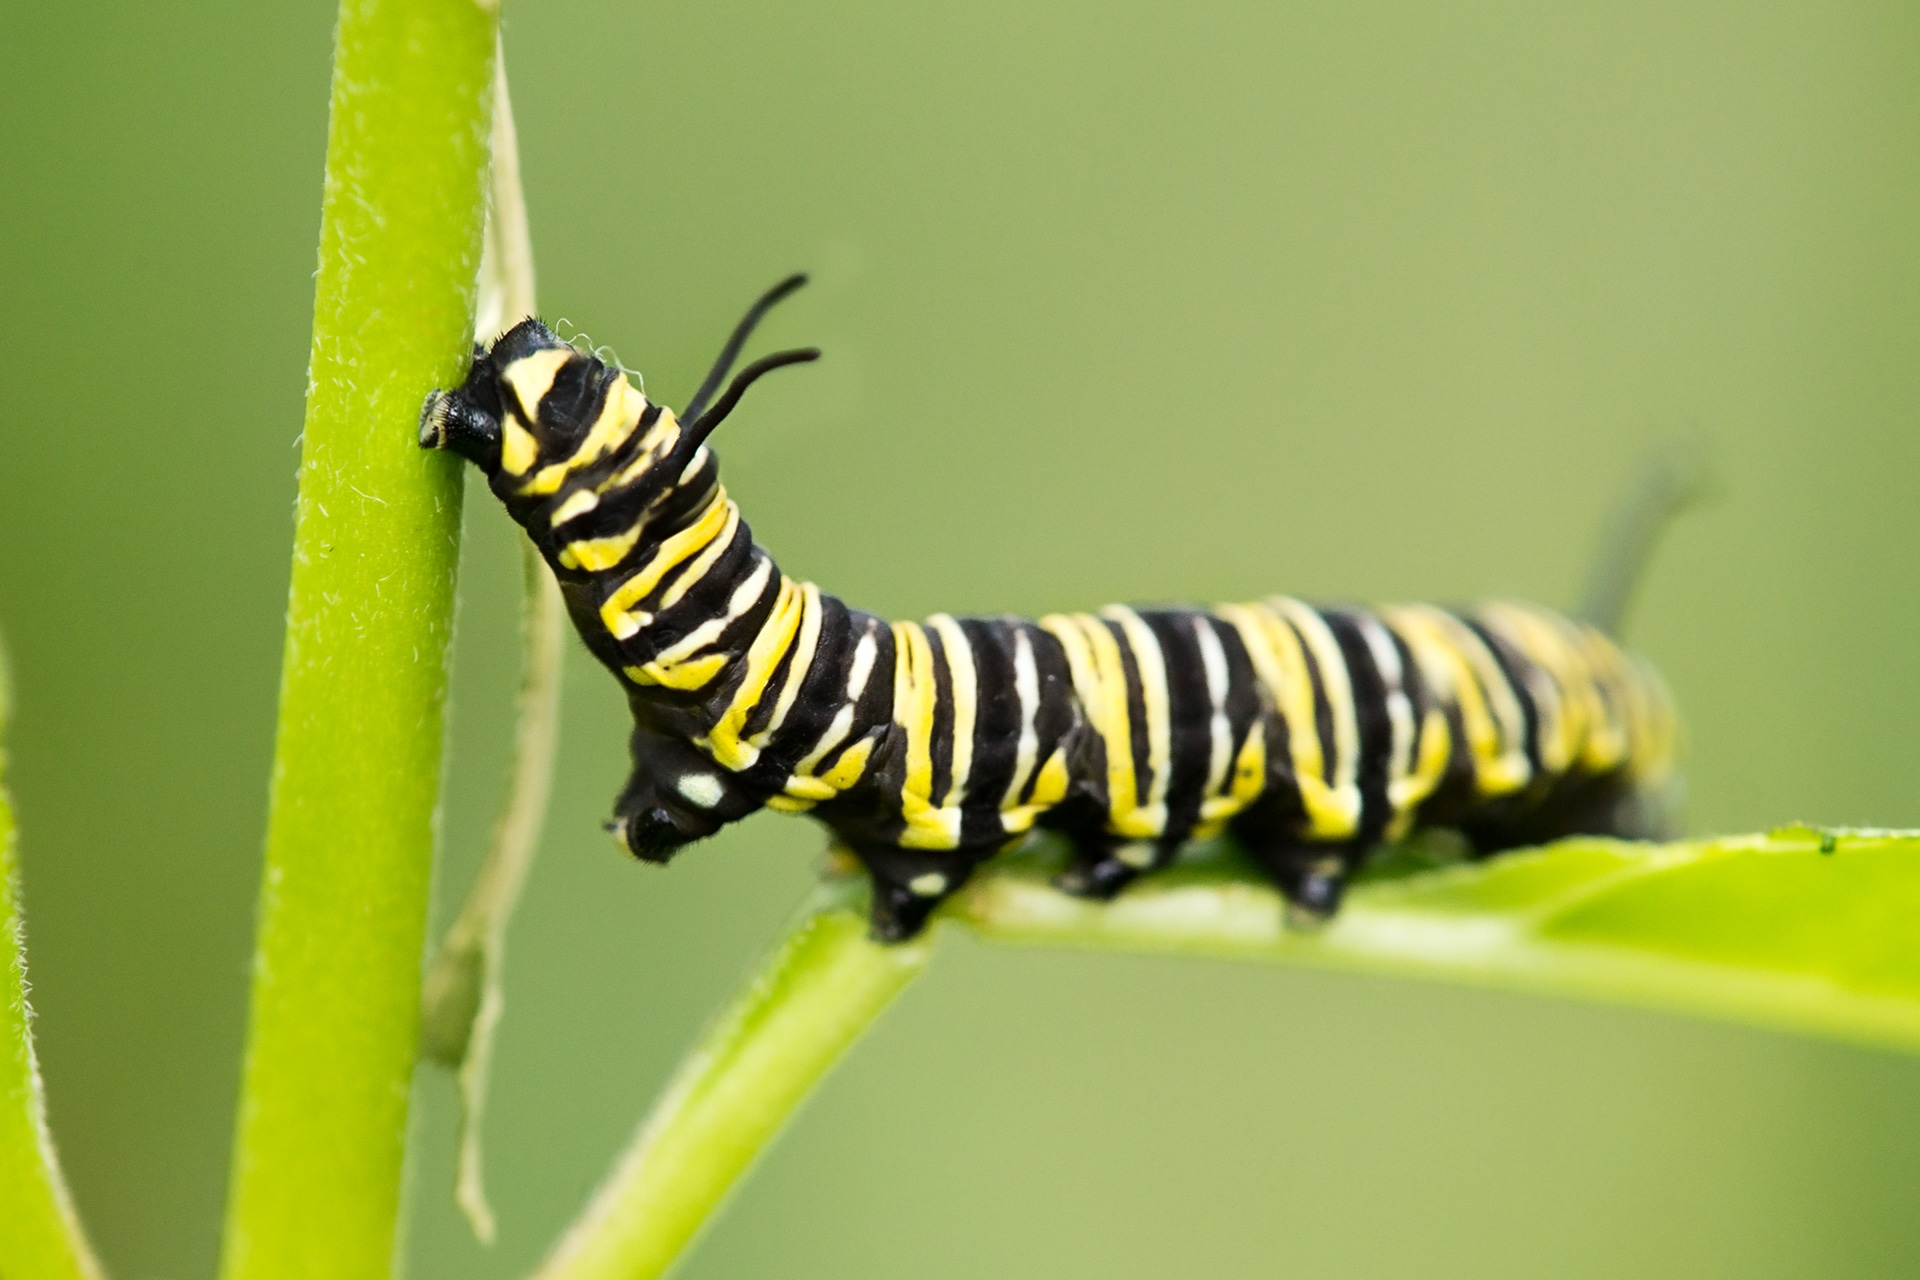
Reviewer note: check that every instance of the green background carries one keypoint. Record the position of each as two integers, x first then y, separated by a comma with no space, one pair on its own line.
1120,301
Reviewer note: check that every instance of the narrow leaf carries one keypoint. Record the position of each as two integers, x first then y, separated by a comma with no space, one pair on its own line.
40,1236
1767,929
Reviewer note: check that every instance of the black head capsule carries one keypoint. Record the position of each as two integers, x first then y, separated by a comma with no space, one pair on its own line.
451,421
507,405
466,420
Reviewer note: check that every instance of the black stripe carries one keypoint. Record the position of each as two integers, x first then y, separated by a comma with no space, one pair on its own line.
1514,666
1245,705
1369,689
822,691
940,740
1059,718
996,729
1189,714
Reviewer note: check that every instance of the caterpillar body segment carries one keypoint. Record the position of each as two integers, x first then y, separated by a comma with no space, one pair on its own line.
1312,732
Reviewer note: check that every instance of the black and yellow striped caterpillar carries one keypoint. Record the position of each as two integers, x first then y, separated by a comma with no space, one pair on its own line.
1314,733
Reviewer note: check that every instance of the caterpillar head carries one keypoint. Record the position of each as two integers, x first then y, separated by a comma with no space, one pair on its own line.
528,401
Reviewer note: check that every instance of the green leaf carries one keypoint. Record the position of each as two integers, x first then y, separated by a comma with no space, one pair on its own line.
1805,929
40,1236
1765,929
335,1011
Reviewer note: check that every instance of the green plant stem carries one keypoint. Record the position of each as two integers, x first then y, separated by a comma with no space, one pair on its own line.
463,997
334,1020
1804,929
819,988
40,1235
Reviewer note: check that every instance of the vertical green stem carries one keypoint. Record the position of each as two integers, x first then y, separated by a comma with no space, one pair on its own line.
343,903
819,988
463,997
40,1236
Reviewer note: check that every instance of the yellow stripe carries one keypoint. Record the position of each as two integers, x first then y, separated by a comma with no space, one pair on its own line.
744,597
852,763
913,703
1513,770
1049,789
618,417
1543,681
696,572
659,441
595,554
1249,780
671,551
1451,660
863,659
1100,681
1608,741
723,742
963,679
1436,747
1281,665
518,448
532,375
1151,816
1336,686
794,804
679,675
804,649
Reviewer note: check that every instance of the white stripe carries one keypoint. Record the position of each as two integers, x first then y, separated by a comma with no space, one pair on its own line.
1026,687
1151,663
963,679
578,503
1337,685
745,596
863,655
1386,657
804,646
1220,748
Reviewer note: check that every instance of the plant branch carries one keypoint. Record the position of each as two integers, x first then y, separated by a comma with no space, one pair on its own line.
821,986
463,998
40,1235
1806,929
334,1021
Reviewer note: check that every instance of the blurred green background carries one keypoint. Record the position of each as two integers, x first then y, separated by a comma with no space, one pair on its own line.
1148,301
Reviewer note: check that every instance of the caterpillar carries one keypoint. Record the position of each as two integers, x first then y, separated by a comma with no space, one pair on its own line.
1311,733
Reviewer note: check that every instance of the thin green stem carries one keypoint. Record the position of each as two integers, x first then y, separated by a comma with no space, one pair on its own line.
816,991
334,1022
463,997
1806,929
40,1235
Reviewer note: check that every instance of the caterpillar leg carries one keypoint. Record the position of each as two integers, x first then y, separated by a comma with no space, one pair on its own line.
1312,876
909,883
1103,866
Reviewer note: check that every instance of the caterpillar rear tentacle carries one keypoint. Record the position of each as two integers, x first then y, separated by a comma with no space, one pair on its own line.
1312,733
